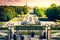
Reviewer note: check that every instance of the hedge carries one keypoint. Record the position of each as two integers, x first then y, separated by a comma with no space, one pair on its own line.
29,27
4,28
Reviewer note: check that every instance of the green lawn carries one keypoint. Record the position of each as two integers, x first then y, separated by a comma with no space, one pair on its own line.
53,32
58,35
19,18
28,33
58,21
1,23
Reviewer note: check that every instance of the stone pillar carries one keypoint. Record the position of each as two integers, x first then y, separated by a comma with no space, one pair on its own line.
47,32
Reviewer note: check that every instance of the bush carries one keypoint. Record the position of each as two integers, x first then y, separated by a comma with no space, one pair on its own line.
5,28
55,28
29,27
7,13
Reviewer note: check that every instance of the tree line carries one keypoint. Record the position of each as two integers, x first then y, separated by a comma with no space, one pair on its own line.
52,12
9,12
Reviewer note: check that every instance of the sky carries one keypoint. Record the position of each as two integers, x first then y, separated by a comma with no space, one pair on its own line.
40,3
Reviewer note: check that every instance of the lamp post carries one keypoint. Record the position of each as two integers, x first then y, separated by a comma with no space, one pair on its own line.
48,32
11,31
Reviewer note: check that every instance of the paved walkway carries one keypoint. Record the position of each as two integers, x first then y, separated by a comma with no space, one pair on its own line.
3,34
28,37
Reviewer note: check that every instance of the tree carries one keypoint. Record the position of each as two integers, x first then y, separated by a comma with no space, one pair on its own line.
10,13
6,13
42,11
58,9
25,9
2,14
52,13
53,5
37,11
19,9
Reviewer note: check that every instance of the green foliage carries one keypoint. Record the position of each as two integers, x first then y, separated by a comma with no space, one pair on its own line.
39,12
55,28
58,9
52,13
20,9
5,28
53,5
6,13
28,33
1,23
53,32
25,9
33,27
2,13
9,12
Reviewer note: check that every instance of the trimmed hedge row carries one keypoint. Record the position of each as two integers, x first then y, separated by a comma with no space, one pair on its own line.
29,27
35,27
4,28
29,33
55,28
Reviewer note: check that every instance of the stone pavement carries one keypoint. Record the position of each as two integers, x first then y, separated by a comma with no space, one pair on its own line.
28,37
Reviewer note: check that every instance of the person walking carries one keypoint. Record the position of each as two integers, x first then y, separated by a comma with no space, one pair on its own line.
21,37
14,36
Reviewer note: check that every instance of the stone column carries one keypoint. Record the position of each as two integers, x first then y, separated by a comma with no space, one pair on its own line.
47,32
